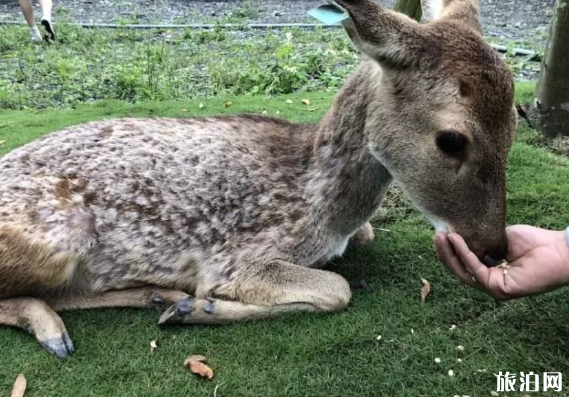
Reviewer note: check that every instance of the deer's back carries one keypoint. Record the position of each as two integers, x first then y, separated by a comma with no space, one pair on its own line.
156,188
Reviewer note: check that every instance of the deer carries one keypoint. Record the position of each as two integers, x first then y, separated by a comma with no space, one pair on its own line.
222,219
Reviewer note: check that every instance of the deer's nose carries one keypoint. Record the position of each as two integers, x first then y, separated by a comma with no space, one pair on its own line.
494,257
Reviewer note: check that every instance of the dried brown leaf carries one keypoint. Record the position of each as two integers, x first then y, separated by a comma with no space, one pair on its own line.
425,290
196,365
2,143
228,104
194,358
201,369
19,386
306,102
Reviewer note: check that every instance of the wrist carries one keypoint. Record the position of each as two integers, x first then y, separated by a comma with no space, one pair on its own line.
563,249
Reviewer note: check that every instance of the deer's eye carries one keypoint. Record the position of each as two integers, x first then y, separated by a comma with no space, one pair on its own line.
452,143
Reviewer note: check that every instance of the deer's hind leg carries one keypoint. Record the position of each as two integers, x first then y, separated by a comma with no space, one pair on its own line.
28,267
264,290
141,298
41,251
37,318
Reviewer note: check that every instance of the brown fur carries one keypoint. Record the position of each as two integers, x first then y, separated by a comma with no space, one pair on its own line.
240,211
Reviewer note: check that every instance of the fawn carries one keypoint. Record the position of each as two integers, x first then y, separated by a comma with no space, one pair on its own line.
226,219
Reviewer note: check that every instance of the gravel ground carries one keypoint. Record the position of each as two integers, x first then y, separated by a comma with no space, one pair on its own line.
523,23
505,20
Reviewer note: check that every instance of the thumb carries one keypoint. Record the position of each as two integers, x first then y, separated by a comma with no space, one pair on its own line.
471,262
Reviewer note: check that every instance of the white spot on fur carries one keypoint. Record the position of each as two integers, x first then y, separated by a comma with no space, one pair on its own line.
141,200
440,226
432,9
112,214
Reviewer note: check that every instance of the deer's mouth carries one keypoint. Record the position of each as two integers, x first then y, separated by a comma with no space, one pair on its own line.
491,262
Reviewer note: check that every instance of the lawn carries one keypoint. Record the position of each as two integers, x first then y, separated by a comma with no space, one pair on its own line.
318,354
126,64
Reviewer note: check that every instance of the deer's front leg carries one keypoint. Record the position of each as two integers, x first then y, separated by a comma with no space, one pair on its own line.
364,236
263,290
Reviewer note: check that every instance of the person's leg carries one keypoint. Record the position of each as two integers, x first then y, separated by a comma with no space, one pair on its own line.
28,11
46,6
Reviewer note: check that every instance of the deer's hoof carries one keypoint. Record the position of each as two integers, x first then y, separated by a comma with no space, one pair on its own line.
61,346
176,313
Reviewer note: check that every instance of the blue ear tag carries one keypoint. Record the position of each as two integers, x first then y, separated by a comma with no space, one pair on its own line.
329,14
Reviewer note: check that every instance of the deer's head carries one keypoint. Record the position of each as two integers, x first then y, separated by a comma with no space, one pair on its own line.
441,116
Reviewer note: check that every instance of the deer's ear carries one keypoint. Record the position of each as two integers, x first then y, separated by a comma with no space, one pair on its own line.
384,35
466,12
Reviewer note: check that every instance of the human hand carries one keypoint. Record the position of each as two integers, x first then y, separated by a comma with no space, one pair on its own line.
538,260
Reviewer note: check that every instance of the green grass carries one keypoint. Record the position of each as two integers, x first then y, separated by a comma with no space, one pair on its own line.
87,65
318,354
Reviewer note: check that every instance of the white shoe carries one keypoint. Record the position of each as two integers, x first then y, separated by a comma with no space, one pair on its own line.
35,33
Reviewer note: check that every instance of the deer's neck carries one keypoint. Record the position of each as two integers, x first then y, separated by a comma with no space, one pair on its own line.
348,181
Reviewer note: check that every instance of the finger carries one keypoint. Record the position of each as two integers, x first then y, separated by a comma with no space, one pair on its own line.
452,262
470,260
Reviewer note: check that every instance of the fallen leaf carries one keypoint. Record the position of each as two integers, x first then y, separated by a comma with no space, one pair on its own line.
227,104
425,290
2,142
201,369
184,110
197,366
194,358
289,101
19,386
153,346
313,109
201,105
306,102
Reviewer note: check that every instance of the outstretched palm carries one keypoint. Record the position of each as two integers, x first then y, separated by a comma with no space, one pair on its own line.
538,261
